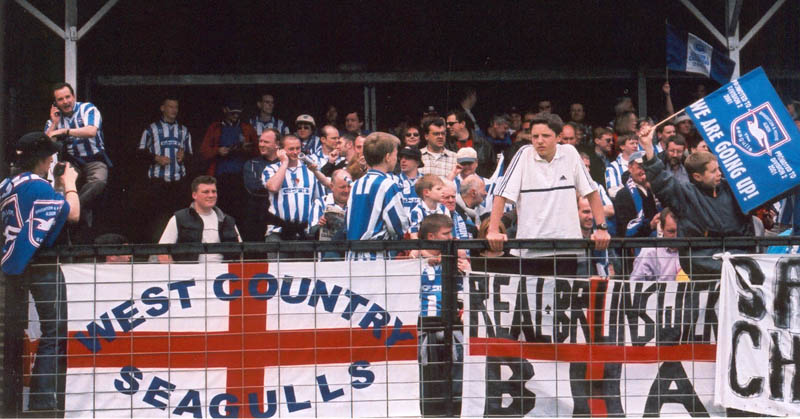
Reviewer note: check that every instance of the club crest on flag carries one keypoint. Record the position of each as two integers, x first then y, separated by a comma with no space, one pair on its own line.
698,59
758,131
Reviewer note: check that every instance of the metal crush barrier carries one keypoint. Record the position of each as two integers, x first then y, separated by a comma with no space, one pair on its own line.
527,340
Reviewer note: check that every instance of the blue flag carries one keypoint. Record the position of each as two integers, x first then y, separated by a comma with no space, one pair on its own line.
753,136
686,52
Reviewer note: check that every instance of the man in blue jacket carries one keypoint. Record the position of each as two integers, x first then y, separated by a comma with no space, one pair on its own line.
33,215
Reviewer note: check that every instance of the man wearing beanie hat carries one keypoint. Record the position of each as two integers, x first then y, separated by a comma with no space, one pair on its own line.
33,214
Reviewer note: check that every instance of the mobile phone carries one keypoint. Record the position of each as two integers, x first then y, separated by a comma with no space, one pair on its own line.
56,106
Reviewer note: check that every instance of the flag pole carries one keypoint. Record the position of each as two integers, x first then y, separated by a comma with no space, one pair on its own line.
666,64
669,117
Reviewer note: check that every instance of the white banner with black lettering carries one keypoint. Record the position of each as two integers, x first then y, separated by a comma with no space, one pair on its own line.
557,347
759,339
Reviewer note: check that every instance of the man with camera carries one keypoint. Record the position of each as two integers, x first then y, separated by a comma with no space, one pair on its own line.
33,214
78,126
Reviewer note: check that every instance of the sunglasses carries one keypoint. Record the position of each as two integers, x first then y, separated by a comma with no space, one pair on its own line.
412,134
304,127
450,124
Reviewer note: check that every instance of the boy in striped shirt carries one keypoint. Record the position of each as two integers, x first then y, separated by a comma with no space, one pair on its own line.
375,207
429,188
432,350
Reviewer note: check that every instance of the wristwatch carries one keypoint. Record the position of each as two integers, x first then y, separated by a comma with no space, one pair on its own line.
602,226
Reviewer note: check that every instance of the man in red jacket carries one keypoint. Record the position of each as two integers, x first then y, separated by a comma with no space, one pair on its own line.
227,145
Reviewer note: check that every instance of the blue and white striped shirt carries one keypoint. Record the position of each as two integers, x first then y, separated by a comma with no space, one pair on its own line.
614,172
273,122
421,211
321,159
166,139
294,201
459,226
311,146
406,184
375,212
486,206
430,290
83,114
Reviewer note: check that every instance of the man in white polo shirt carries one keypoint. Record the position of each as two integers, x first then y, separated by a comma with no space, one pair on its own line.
543,179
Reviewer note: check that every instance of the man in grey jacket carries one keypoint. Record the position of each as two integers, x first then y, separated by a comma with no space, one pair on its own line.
705,206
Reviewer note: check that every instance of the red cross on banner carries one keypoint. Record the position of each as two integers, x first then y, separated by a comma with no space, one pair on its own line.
595,358
246,348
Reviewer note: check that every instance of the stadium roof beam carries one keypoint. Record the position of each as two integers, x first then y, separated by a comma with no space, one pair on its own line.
374,77
370,79
731,38
70,33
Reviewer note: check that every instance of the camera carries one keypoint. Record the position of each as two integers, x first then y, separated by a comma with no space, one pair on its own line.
59,169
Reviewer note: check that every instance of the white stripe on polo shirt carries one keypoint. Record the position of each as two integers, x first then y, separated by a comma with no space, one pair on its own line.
545,194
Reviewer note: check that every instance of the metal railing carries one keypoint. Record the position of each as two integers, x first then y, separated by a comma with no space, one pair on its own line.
451,306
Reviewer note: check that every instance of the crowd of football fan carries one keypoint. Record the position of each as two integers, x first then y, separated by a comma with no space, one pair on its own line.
325,181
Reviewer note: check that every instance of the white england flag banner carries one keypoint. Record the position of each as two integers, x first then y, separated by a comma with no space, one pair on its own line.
243,340
547,347
759,339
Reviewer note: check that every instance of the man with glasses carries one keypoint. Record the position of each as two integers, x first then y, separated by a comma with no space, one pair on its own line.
227,145
437,159
310,143
265,118
462,136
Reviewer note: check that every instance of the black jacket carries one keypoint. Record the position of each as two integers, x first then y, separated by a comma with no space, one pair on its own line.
190,230
699,214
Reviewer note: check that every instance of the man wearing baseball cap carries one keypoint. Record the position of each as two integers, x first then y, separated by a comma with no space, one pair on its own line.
33,214
227,145
466,164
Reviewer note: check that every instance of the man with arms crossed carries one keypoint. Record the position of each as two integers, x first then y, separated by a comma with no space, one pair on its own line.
202,222
542,179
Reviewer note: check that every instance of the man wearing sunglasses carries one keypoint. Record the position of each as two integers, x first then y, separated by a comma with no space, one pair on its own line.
305,132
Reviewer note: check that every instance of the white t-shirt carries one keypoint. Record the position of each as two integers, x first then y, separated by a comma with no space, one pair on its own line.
210,235
545,195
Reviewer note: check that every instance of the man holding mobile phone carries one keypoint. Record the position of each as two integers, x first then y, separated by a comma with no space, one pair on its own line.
80,125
